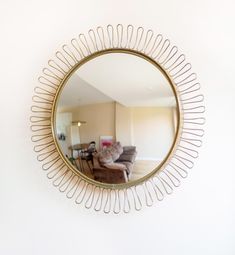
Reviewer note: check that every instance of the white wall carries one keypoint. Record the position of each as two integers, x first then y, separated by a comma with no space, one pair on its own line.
100,121
152,131
136,126
63,126
34,217
123,125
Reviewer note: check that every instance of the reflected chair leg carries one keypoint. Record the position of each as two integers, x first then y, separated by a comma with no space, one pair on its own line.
90,168
75,163
80,164
82,167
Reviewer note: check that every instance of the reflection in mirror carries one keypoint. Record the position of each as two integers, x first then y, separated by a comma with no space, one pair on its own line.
116,118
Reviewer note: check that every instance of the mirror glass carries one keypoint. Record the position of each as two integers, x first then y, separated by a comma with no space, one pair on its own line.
116,118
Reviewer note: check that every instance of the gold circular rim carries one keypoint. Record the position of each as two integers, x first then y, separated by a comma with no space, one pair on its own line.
178,110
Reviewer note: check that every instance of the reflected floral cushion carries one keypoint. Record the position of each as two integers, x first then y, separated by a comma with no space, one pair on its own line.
110,154
114,152
105,157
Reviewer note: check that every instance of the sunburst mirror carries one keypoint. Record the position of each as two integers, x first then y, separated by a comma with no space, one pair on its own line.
117,118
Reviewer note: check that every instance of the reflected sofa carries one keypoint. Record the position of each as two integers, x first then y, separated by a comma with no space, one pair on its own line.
114,164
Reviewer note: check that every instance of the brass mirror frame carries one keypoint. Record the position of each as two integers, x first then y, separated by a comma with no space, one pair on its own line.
64,82
166,176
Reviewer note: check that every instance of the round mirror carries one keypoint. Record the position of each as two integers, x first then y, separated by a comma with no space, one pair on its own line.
116,118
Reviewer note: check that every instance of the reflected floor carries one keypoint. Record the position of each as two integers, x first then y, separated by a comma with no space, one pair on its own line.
143,167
